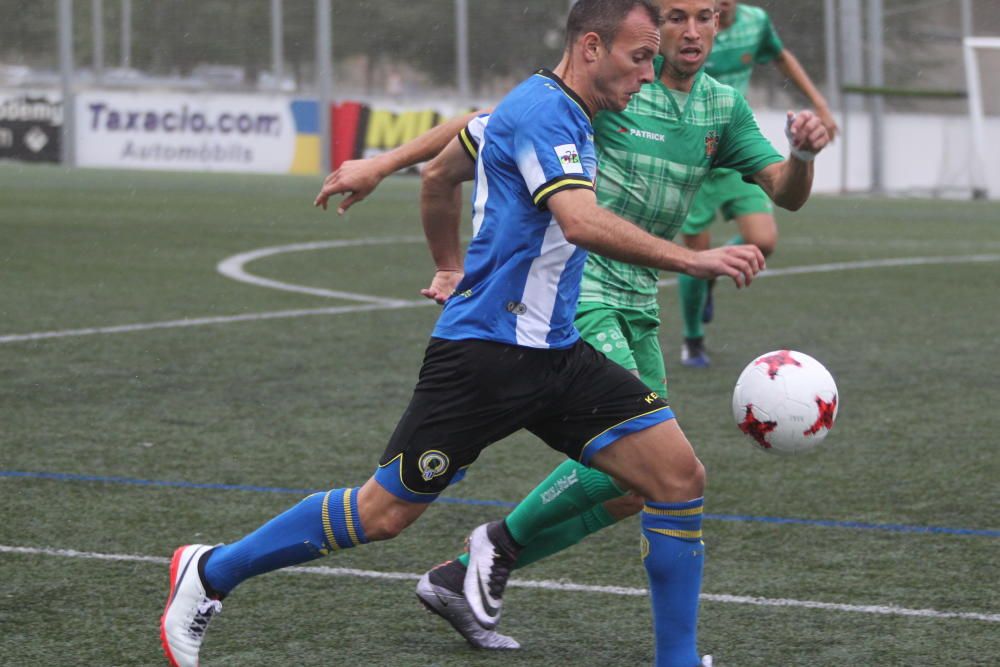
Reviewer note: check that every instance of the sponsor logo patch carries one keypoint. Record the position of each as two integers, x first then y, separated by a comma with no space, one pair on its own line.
569,158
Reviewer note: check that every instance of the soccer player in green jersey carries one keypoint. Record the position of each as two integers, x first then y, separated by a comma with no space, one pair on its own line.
652,158
746,37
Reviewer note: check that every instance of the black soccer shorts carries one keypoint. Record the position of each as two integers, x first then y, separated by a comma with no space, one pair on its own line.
472,393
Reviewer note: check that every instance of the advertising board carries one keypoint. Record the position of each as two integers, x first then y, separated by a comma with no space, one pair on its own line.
185,132
30,126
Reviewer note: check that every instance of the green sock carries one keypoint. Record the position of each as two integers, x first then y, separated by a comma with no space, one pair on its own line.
568,493
566,534
562,536
693,292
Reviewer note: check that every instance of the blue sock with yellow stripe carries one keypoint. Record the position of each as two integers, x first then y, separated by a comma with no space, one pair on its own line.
321,523
674,554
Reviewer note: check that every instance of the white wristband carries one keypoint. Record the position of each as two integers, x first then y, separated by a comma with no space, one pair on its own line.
805,156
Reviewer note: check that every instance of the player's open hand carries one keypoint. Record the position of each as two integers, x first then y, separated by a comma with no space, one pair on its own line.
739,262
354,178
443,285
806,133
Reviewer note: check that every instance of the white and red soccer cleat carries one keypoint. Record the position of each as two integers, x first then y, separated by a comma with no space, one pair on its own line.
188,610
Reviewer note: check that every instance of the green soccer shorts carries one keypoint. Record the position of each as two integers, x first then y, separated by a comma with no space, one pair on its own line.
627,336
724,190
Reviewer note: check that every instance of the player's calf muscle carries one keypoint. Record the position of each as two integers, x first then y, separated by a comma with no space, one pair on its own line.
383,515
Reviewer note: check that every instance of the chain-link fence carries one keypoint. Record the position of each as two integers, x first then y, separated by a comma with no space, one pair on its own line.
403,48
380,47
399,66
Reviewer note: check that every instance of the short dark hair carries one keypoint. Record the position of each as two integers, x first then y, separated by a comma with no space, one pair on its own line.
605,17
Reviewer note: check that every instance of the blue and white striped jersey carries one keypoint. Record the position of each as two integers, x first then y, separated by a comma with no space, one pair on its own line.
522,278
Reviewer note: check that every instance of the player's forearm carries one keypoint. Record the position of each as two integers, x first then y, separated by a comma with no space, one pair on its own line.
608,235
441,216
788,183
441,203
422,148
792,68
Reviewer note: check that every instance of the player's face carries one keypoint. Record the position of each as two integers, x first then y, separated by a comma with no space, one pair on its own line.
688,35
628,63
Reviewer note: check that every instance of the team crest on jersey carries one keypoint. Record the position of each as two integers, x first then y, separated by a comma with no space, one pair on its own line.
432,463
711,144
569,158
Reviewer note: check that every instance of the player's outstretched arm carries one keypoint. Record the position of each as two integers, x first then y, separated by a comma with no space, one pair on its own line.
792,68
441,215
589,226
789,183
358,178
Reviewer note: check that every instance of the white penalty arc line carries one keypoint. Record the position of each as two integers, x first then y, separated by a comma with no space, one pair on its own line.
378,303
233,267
884,610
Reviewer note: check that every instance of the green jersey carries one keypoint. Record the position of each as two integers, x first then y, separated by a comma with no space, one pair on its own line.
751,39
652,157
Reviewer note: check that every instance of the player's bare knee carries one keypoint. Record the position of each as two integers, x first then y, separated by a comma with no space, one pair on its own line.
683,480
696,481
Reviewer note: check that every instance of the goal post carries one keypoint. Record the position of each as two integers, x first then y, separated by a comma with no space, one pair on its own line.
977,112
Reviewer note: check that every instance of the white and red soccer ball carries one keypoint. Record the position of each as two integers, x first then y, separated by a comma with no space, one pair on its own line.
785,401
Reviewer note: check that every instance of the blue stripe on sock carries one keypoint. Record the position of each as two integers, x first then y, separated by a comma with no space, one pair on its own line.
679,520
341,519
358,528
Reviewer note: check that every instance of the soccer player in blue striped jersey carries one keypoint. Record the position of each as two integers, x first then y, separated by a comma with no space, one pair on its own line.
505,355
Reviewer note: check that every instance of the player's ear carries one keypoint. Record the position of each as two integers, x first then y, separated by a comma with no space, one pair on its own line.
592,45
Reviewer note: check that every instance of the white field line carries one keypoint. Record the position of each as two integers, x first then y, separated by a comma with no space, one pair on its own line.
233,267
222,319
378,303
863,264
884,610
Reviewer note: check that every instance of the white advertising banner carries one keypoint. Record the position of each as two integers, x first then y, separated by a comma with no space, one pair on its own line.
184,132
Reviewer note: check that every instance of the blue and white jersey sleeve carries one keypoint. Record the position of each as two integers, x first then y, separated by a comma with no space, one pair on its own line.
550,157
471,135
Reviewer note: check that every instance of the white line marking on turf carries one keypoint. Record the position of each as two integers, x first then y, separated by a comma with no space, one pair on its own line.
886,610
233,267
222,319
863,264
379,303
